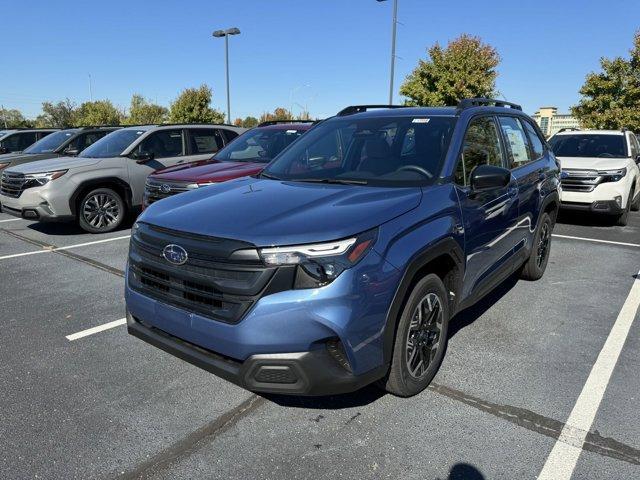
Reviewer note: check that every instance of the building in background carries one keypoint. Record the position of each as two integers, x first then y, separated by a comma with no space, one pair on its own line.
551,121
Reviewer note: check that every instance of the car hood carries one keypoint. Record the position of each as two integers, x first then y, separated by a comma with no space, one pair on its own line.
20,158
273,212
209,172
592,163
52,164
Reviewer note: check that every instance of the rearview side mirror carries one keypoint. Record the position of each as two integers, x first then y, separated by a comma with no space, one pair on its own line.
3,150
488,177
72,152
638,159
142,157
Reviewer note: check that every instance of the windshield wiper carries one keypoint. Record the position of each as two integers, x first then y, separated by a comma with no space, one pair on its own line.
270,177
338,181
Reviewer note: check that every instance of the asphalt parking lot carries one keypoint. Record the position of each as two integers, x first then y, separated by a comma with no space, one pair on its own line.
80,402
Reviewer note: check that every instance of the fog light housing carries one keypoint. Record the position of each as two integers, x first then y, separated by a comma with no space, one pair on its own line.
336,350
618,201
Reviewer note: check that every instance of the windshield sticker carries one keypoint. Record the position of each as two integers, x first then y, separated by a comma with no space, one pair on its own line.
289,132
420,120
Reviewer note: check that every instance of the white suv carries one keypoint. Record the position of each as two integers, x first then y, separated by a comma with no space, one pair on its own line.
600,171
99,187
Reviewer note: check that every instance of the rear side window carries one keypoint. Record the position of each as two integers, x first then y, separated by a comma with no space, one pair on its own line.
163,144
205,140
518,149
229,135
537,147
481,147
633,142
26,139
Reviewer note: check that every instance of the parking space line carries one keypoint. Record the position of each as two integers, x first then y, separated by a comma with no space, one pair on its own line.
99,328
68,247
597,240
564,456
11,220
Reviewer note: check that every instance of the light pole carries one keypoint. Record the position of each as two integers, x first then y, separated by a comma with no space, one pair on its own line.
393,47
225,34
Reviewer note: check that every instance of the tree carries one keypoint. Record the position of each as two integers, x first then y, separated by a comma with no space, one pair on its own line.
11,118
611,98
142,112
278,114
465,68
193,105
100,112
58,115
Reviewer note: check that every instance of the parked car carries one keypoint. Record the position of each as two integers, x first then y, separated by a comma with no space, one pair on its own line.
106,181
600,171
17,139
247,155
69,142
342,263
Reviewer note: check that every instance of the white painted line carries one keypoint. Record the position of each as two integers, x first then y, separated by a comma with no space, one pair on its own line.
99,328
68,247
597,240
563,458
11,220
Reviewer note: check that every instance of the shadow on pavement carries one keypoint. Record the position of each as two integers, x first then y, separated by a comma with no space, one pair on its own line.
464,471
586,219
364,396
68,229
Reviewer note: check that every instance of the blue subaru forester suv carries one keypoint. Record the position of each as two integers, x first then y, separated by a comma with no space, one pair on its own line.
343,263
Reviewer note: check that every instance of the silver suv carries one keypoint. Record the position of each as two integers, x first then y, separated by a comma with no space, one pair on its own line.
106,181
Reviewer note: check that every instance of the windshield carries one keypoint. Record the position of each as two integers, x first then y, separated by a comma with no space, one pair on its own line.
112,145
258,145
589,145
4,132
51,142
387,151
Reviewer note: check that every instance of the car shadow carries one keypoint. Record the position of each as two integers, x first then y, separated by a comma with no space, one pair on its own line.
464,471
585,219
69,229
469,315
360,398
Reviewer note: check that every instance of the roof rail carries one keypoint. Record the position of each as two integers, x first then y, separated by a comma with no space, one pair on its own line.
363,108
87,127
266,123
568,129
479,102
197,124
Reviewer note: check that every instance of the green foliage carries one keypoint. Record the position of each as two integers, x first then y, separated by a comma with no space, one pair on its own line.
611,98
100,112
465,68
193,105
142,112
278,114
247,122
58,115
11,118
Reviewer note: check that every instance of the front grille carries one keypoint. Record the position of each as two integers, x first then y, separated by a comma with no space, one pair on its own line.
155,190
12,184
209,283
580,180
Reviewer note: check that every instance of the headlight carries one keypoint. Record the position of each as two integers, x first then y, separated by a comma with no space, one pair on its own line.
613,175
320,263
4,165
43,178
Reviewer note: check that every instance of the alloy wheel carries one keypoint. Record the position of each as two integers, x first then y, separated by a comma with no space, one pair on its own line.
101,210
424,337
543,244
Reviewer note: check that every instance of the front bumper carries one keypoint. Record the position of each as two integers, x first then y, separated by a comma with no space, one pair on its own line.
301,373
39,203
609,207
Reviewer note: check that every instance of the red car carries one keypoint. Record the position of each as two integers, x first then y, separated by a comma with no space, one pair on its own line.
246,155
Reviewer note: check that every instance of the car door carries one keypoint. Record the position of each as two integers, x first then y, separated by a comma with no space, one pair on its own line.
525,159
203,143
489,216
166,147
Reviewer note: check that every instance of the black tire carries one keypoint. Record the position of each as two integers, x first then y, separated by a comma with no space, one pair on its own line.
536,264
623,218
101,210
429,339
635,206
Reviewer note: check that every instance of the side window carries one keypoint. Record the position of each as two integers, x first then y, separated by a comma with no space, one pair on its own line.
229,135
26,139
43,134
205,140
87,139
163,144
518,149
11,142
634,146
481,147
537,147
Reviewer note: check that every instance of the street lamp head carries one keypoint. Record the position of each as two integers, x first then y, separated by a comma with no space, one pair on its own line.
224,33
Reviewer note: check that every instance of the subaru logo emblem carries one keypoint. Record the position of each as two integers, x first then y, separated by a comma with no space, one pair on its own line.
175,254
164,188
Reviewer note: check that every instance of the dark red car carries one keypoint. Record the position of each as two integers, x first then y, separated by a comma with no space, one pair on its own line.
246,155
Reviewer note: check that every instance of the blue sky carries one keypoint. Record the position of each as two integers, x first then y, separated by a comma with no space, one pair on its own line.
322,53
